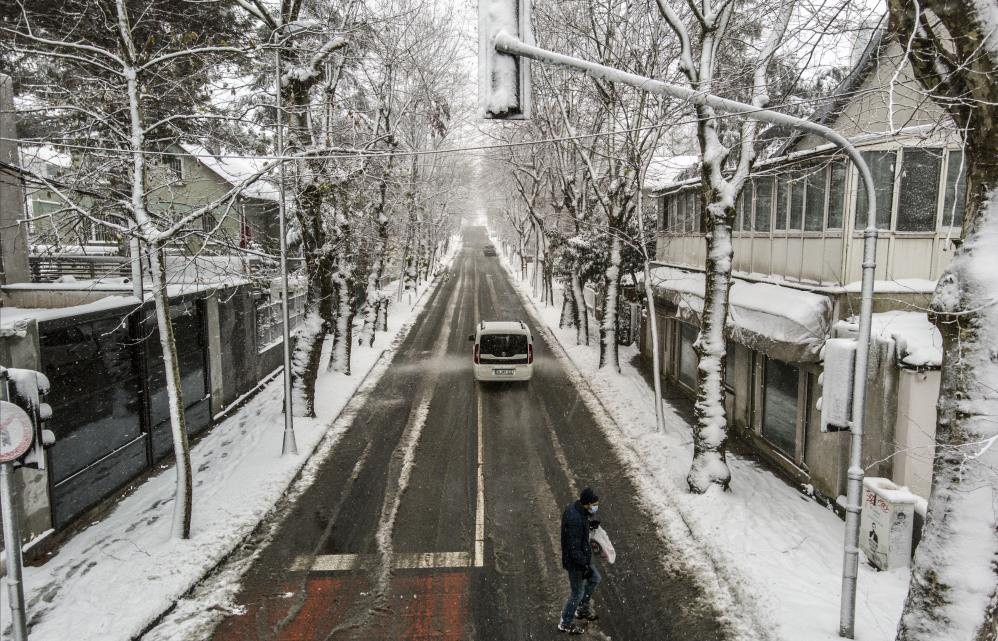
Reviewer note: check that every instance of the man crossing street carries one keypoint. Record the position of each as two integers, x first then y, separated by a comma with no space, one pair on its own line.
576,558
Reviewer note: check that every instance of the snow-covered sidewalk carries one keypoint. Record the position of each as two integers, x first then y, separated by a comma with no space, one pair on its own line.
772,554
113,579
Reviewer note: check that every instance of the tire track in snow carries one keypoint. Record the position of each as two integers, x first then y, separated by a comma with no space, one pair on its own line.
400,467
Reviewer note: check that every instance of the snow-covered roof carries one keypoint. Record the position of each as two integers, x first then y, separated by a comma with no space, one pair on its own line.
663,170
788,324
919,343
34,154
234,170
11,317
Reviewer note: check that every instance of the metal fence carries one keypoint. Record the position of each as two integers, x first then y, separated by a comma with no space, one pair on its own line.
49,267
268,315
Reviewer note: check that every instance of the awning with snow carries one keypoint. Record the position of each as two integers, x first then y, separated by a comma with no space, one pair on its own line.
787,324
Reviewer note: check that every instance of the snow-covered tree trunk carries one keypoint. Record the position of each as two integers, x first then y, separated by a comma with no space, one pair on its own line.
318,313
383,314
305,69
720,188
339,357
569,313
710,432
953,594
372,305
581,310
608,348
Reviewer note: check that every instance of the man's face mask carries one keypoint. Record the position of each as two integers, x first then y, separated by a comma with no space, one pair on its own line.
593,509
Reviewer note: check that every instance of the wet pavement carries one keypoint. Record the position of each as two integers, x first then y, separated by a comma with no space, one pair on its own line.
436,516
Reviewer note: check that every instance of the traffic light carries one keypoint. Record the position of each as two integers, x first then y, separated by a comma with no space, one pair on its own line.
836,380
26,388
503,79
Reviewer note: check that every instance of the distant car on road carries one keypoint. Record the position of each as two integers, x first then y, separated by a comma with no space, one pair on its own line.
489,250
504,351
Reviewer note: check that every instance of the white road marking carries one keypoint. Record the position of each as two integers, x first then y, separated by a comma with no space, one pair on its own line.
411,561
480,500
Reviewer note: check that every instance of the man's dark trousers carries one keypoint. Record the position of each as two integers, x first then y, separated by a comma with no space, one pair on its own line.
582,590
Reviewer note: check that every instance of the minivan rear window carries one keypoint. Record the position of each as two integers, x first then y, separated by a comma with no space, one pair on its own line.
503,344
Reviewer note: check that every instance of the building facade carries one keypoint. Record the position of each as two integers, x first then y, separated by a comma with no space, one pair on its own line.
796,269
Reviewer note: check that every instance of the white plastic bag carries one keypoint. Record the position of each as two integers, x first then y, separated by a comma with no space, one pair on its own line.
600,542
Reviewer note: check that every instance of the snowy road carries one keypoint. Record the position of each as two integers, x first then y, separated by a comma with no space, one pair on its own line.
437,514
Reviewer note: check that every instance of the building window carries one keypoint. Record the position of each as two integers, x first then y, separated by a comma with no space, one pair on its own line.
763,204
680,225
692,212
782,195
175,164
919,189
729,366
779,409
740,208
882,167
956,190
814,210
797,183
687,355
836,195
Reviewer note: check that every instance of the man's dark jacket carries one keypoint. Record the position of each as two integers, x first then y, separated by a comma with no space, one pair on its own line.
576,554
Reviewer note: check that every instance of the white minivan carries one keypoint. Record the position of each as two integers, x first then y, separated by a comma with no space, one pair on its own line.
504,351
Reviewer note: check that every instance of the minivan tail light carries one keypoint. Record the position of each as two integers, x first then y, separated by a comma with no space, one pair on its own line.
530,354
478,360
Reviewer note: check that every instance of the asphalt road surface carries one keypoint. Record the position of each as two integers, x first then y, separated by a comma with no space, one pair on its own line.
437,514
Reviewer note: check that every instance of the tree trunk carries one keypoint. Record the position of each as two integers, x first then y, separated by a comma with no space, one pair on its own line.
581,310
709,467
373,303
383,314
608,349
184,498
339,357
953,594
318,313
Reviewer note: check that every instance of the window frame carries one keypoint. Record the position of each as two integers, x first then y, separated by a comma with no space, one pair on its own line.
169,160
942,223
896,211
759,364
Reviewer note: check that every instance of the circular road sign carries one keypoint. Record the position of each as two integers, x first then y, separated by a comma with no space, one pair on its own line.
16,432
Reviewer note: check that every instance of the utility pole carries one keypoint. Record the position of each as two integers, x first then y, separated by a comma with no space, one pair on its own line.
289,445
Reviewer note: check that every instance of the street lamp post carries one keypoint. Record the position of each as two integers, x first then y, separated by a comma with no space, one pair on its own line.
289,446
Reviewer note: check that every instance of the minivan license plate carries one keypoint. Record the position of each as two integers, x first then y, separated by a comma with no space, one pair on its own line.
504,372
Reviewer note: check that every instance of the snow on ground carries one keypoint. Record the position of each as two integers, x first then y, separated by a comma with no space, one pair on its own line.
772,555
113,579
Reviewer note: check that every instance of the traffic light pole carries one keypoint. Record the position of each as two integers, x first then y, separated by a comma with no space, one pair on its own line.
504,43
12,545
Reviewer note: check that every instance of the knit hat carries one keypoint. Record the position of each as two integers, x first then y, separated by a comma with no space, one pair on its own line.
588,496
